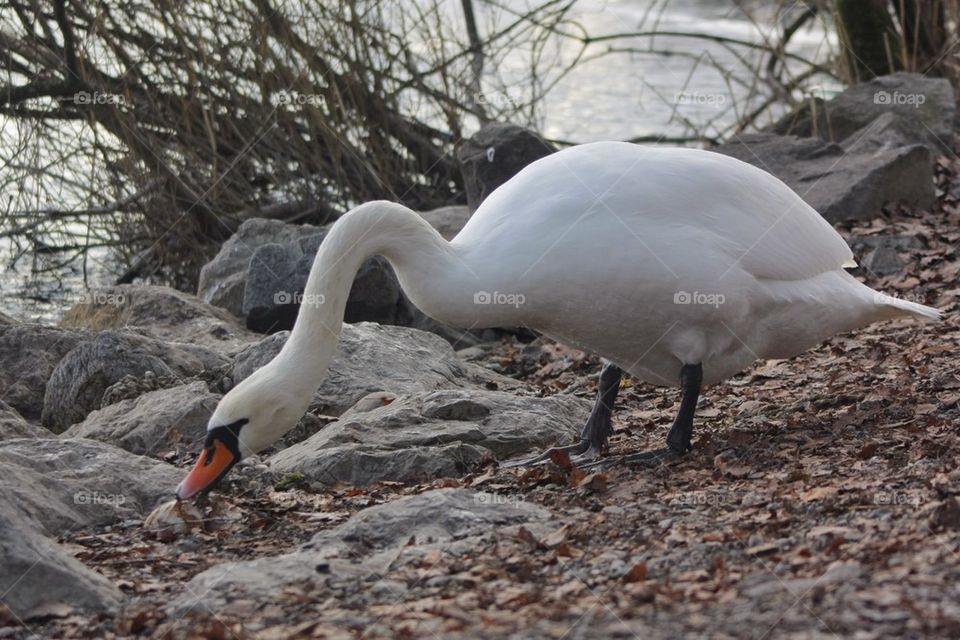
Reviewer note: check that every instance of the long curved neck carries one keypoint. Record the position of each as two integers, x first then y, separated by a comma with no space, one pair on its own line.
415,249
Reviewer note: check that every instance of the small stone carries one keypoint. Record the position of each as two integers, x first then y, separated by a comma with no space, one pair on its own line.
173,519
882,261
946,515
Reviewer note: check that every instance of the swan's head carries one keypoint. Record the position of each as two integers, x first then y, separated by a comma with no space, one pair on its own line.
249,418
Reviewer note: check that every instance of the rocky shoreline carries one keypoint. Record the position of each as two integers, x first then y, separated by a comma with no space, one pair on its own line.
391,475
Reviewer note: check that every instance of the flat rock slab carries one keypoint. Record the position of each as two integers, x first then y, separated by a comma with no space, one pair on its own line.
37,574
433,434
153,423
373,357
62,485
357,554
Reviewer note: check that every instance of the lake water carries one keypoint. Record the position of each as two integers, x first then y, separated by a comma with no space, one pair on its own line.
615,97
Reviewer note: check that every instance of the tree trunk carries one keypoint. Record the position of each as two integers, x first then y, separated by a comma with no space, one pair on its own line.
871,46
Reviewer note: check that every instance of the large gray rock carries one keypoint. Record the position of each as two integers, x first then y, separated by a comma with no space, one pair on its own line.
361,466
923,108
840,181
37,574
260,272
52,487
433,434
882,261
5,319
76,386
64,485
369,546
160,312
28,355
223,279
496,153
154,423
372,357
12,425
277,275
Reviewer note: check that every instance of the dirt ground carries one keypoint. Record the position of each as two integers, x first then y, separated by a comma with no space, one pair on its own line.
820,500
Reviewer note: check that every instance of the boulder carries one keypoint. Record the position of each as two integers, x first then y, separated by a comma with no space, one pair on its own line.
372,357
256,355
223,279
359,466
5,319
277,275
64,485
882,261
77,384
432,517
12,425
496,153
923,109
370,545
52,487
432,434
154,423
160,312
839,181
28,355
260,272
37,575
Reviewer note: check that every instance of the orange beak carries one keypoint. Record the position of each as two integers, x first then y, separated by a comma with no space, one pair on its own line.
214,462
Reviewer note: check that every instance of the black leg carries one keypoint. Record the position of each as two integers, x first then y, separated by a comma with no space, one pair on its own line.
678,439
691,375
599,426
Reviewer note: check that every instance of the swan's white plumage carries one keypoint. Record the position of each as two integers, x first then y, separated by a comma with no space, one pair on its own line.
600,241
716,199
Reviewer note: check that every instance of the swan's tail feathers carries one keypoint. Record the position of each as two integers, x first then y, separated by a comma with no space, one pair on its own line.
894,307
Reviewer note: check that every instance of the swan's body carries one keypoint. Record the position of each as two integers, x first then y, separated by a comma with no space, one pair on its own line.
594,246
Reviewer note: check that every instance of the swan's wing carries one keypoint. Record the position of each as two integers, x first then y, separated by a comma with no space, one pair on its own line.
676,197
773,232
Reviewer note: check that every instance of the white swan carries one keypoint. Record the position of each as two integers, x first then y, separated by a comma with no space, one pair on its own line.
678,266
